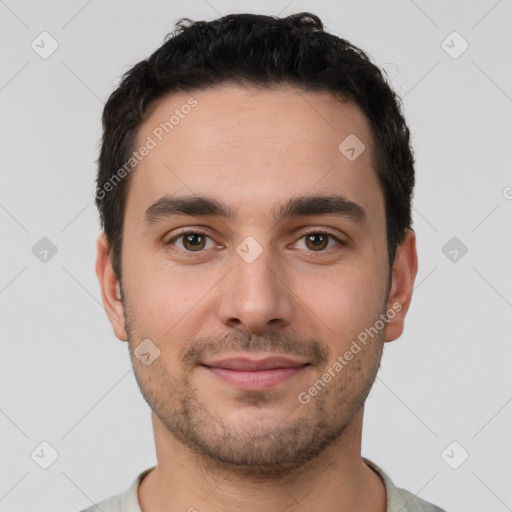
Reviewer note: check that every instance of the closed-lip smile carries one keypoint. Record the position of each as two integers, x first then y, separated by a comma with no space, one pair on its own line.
252,373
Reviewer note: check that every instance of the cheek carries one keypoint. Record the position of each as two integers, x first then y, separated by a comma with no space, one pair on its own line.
342,302
164,300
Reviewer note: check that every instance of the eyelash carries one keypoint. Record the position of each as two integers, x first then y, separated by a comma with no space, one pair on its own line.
303,235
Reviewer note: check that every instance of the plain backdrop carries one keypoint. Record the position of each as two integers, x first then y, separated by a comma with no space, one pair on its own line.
444,390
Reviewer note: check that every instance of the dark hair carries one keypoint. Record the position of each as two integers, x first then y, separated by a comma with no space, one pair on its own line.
255,51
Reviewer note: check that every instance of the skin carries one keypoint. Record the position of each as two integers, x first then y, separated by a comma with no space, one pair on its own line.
219,448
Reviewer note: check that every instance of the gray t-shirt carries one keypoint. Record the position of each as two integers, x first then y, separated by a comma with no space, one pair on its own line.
398,500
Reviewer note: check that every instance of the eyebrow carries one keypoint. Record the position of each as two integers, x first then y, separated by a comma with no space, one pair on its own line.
302,206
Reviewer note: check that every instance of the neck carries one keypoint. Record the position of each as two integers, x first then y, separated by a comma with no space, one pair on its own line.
337,479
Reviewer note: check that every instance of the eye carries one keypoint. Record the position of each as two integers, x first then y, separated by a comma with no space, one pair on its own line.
192,241
197,241
318,241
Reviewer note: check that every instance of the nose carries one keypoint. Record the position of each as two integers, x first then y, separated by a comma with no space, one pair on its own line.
255,295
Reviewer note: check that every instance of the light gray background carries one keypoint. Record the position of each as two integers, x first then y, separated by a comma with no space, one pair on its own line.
65,378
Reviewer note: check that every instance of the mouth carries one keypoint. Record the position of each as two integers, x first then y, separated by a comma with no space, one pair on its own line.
253,374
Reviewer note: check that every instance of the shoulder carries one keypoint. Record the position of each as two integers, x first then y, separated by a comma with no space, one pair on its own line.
408,502
112,504
399,499
125,502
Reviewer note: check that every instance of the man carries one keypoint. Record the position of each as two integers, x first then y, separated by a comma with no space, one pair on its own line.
254,188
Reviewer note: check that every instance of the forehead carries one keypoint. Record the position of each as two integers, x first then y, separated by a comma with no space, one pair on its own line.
249,146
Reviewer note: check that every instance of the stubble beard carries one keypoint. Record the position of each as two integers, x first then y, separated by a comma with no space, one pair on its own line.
261,449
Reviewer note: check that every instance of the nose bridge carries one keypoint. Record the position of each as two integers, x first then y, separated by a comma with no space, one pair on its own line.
254,293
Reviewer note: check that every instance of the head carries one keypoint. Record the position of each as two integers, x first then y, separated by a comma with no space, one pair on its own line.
254,188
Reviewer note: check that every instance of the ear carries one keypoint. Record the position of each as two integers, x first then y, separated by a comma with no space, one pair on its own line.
405,268
110,288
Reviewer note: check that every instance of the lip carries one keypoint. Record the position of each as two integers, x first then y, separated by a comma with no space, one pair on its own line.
253,364
253,374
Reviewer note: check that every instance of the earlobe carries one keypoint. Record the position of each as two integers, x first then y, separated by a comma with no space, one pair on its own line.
405,268
110,288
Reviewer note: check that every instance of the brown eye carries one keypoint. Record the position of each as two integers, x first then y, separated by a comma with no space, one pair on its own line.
317,241
194,241
191,241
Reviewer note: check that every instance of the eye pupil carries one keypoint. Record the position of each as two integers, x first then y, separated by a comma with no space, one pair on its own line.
318,240
194,240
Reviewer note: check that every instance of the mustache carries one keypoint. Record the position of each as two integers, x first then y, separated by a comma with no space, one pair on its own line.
315,351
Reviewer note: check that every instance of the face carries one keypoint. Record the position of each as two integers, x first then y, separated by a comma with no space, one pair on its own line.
254,259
